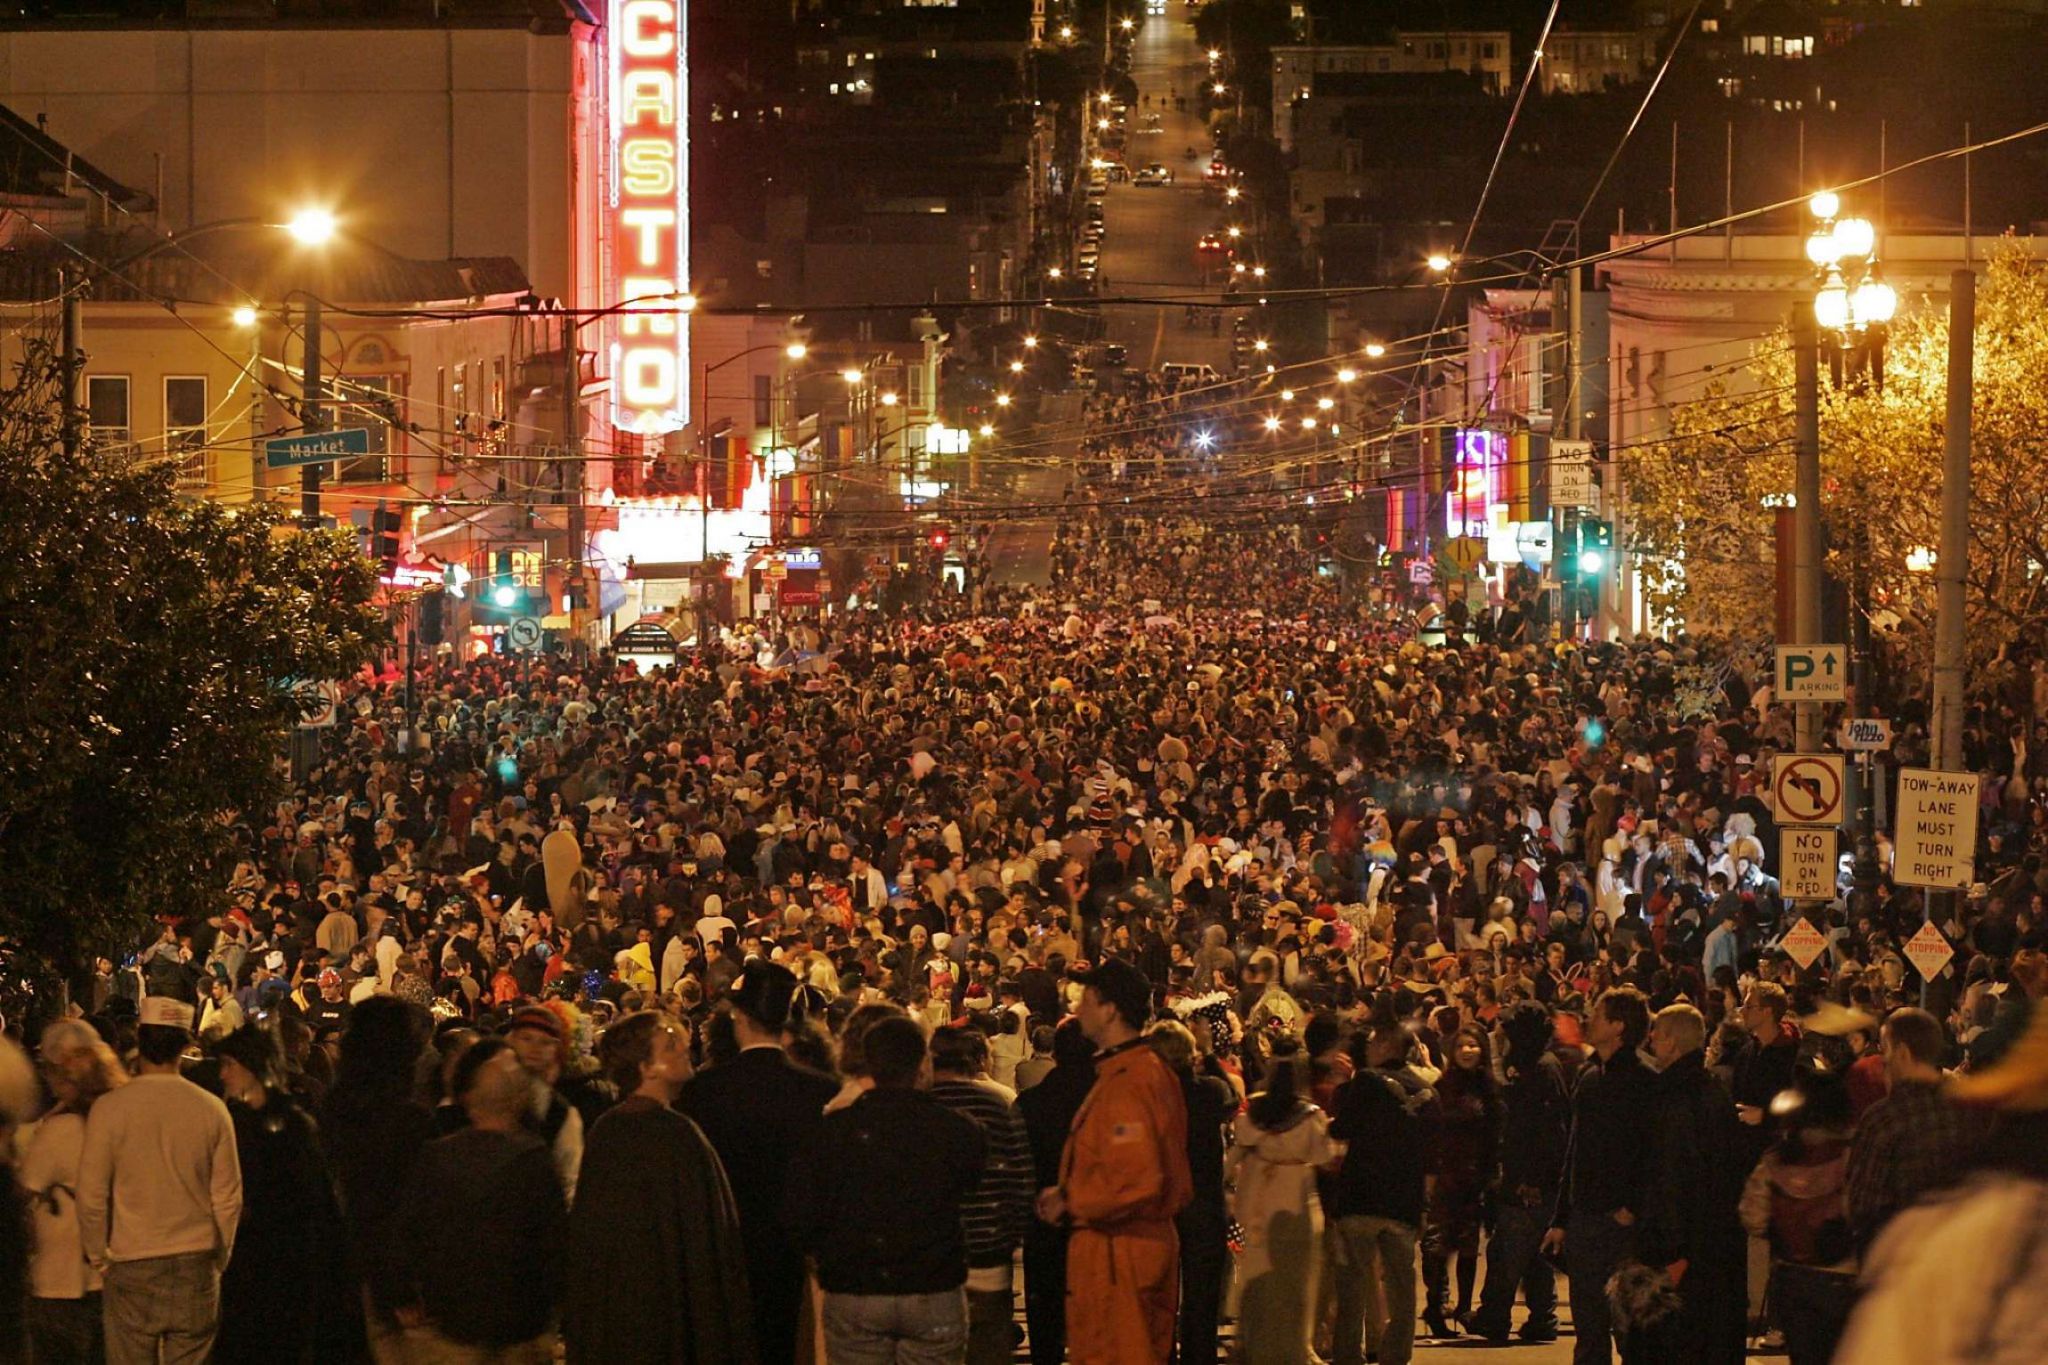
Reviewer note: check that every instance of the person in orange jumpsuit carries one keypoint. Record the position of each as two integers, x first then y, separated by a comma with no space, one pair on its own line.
1123,1177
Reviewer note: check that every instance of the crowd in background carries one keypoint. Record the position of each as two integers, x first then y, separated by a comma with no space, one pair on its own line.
1183,947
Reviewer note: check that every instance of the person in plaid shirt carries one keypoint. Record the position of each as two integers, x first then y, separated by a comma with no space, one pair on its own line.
1917,1138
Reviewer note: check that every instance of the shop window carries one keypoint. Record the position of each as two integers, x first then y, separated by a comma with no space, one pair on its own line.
185,434
106,408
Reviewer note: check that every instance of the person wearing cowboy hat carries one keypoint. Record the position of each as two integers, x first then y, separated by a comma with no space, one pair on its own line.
758,1109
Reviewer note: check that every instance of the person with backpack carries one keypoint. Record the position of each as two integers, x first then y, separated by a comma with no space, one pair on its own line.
1798,1197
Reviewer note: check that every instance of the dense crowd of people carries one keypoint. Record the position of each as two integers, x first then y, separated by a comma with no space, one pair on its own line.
1182,949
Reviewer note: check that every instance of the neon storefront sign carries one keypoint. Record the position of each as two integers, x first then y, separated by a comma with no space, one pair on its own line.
647,227
1475,482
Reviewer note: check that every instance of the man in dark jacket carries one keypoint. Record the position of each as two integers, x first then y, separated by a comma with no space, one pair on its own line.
1602,1196
1048,1109
1689,1221
876,1196
757,1109
1535,1126
1763,1064
484,1224
1376,1198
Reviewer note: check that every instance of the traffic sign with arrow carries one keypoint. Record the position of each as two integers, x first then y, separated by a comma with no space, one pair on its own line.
1813,673
1807,788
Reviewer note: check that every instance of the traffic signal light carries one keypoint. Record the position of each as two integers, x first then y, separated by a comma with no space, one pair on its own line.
1595,548
429,619
940,538
384,524
505,592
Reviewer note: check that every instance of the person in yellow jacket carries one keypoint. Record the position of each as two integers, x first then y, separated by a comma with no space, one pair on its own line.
1123,1176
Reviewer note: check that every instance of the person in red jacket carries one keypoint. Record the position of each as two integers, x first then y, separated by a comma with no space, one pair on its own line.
1123,1177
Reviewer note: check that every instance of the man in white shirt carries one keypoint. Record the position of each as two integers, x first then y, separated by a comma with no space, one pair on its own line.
159,1196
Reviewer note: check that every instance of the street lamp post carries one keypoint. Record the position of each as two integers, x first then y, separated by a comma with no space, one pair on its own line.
1853,309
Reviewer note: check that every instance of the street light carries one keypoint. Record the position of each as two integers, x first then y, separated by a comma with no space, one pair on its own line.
1016,367
1326,403
1346,375
1002,400
1287,395
1231,194
851,376
889,399
1030,342
1272,424
1438,262
1126,25
1260,345
1852,303
987,429
1218,88
1373,350
312,226
1066,33
796,350
1054,273
244,316
1215,54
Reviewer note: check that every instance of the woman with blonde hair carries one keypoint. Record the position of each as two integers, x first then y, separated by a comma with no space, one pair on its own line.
64,1303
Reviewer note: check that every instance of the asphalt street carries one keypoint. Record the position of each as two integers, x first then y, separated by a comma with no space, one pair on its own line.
1150,232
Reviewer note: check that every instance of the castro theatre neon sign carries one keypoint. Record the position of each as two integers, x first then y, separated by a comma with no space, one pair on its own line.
648,233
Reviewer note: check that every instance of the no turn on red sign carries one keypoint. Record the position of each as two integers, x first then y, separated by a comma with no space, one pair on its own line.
1806,863
1807,789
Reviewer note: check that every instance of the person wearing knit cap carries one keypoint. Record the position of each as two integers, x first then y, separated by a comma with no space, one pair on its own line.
540,1039
757,1110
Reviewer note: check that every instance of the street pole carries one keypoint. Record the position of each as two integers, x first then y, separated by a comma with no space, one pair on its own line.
1806,561
73,430
1952,561
572,440
313,417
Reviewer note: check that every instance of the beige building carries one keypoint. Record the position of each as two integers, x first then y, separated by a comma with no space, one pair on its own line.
436,140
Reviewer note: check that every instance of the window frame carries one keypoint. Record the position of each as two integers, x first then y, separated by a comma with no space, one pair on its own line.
195,457
127,428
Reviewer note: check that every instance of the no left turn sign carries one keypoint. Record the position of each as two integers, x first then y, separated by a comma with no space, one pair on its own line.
1806,789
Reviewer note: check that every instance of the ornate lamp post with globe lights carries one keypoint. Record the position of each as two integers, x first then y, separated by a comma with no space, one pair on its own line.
1853,309
1853,306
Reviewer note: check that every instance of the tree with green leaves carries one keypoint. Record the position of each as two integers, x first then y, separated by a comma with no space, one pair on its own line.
148,648
1700,520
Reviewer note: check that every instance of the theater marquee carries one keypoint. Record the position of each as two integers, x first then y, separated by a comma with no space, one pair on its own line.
647,228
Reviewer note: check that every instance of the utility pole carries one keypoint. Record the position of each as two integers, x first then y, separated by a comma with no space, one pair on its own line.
1806,561
73,431
1952,561
312,415
575,475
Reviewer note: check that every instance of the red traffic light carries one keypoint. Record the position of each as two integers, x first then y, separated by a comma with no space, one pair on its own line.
940,539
